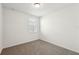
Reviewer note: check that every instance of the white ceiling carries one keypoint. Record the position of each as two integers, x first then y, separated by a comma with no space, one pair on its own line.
44,7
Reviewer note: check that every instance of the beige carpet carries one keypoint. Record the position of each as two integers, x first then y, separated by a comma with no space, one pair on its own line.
37,47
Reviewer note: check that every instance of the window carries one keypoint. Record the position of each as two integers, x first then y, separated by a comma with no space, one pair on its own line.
33,24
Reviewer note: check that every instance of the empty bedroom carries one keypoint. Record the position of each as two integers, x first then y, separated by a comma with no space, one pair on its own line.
39,28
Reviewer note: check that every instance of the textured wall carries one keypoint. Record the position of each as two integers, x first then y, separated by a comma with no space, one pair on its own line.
62,27
16,28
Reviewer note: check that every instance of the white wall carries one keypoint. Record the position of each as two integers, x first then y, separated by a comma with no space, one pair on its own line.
62,27
0,28
16,28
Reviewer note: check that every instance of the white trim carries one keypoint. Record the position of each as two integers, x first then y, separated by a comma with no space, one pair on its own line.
60,46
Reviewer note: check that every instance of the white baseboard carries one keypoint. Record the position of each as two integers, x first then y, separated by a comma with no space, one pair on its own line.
1,50
22,42
61,46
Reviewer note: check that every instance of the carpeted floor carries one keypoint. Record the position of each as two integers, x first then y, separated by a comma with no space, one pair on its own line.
37,47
